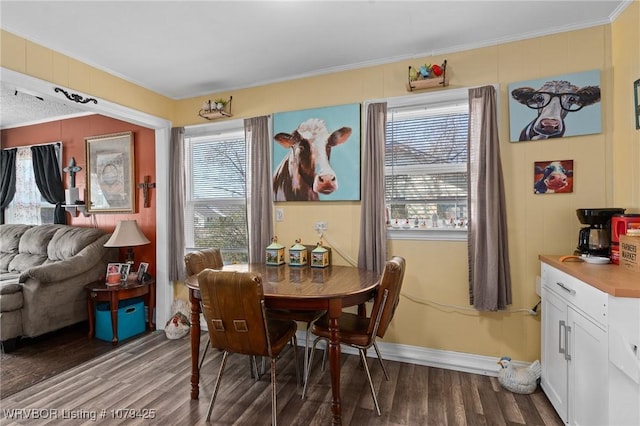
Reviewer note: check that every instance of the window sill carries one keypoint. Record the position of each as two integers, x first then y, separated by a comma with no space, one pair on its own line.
428,234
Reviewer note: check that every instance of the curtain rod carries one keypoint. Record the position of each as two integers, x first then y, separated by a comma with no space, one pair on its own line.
37,144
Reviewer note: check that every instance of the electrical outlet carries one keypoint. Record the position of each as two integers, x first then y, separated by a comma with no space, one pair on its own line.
279,215
320,226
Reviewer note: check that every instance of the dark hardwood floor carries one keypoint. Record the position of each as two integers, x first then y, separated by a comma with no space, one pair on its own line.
35,359
150,376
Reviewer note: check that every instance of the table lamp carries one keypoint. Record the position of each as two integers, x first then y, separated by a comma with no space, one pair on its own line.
127,234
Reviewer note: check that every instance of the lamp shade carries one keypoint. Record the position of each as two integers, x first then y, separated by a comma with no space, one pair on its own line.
127,234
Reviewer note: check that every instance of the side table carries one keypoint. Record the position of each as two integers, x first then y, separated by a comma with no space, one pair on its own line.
98,291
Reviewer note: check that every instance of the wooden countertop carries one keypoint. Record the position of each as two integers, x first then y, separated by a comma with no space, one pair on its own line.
610,278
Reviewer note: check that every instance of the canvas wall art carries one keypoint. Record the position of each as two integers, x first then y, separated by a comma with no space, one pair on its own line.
555,107
316,154
553,177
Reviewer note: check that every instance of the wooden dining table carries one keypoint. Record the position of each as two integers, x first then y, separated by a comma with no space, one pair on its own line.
301,288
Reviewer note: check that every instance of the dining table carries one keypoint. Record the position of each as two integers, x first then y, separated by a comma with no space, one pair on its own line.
331,288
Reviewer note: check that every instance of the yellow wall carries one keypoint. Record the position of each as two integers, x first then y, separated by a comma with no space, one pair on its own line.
625,61
26,57
437,271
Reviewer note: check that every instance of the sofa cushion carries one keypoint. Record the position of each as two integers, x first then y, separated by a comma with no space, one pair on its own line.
69,240
32,248
9,243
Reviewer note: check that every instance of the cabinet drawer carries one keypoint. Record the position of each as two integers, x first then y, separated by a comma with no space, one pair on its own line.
580,295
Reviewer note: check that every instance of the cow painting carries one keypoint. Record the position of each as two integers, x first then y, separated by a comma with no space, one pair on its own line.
555,107
305,171
553,177
553,101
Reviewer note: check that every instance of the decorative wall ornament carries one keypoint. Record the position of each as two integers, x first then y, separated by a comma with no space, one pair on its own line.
554,107
75,97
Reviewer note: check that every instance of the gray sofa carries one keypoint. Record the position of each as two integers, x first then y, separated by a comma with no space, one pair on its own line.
43,271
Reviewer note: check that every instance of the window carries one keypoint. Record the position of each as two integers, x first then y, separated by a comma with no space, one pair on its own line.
216,203
426,166
28,206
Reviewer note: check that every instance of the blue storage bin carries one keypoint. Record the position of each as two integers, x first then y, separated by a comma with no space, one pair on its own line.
130,319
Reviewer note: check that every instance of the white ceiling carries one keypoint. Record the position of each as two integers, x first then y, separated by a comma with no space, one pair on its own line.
183,49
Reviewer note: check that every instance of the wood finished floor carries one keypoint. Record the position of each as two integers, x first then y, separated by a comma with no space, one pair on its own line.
152,373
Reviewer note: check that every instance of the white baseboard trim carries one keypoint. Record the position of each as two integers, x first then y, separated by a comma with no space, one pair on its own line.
458,361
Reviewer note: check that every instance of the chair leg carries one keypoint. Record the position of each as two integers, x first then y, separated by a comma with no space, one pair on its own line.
363,357
306,380
294,340
204,353
375,346
274,409
217,385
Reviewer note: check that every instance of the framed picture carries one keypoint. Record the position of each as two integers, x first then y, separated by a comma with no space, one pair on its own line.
142,269
555,107
113,268
636,98
110,174
125,268
316,154
553,177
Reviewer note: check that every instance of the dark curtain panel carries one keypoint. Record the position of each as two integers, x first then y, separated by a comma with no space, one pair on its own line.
372,253
46,169
489,270
176,200
7,179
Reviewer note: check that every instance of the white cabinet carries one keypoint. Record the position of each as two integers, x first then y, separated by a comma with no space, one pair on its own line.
574,348
624,361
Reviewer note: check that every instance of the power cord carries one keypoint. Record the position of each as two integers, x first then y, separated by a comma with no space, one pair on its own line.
533,311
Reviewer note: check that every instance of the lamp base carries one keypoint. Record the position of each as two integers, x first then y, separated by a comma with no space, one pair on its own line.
130,256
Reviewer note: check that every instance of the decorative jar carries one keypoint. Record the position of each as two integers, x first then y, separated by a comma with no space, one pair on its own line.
275,253
298,254
319,256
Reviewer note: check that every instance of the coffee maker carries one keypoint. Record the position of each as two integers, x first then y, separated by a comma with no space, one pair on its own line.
595,239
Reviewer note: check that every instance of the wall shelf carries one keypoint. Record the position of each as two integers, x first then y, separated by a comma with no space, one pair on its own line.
75,209
211,112
428,83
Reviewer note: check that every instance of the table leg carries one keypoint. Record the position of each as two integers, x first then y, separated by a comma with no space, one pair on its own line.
335,310
114,316
195,343
91,311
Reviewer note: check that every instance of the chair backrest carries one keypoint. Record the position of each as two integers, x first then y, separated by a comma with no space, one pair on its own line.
197,261
391,281
233,305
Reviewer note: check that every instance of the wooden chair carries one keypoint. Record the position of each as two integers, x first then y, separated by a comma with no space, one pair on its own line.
196,262
233,306
360,332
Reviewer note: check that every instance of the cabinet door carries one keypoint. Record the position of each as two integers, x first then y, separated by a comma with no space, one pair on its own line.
588,371
554,364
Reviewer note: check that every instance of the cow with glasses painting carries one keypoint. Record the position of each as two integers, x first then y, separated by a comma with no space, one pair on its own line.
553,101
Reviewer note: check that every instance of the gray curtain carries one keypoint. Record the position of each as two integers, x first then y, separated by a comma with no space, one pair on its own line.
259,198
489,271
7,179
372,253
46,168
176,268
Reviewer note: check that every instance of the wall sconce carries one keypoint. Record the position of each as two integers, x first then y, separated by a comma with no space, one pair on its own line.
127,234
636,96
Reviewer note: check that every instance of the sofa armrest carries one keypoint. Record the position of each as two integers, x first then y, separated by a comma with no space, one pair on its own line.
78,264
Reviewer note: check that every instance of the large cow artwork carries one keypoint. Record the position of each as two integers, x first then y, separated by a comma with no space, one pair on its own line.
306,171
553,101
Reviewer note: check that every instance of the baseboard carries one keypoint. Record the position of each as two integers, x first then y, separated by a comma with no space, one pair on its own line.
458,361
